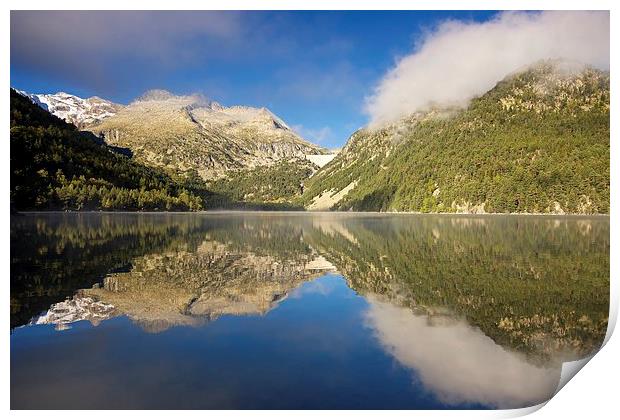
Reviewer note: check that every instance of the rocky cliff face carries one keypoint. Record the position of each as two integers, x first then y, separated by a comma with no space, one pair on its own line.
538,142
183,133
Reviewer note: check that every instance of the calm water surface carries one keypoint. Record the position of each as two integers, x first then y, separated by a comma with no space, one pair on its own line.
297,310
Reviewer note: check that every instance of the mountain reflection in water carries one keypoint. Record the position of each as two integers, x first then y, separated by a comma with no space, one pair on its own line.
436,311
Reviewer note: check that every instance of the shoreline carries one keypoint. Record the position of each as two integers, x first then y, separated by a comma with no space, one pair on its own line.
305,213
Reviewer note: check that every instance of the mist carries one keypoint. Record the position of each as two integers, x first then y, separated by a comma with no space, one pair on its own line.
458,61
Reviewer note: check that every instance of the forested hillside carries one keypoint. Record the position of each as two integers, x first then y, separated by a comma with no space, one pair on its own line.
55,166
537,142
279,183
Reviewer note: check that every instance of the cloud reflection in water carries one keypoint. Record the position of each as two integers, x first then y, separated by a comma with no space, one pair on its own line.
458,362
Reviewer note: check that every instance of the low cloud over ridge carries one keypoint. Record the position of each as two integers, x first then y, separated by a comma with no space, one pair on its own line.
459,60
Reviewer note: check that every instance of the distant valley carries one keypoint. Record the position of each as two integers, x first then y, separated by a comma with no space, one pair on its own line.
198,143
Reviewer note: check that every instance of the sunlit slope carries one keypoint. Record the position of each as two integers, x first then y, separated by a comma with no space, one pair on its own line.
537,142
56,167
184,134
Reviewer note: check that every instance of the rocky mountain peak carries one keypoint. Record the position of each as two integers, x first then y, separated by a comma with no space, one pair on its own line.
185,132
182,133
73,109
155,95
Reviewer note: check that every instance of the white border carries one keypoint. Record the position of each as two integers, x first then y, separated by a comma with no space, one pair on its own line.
593,393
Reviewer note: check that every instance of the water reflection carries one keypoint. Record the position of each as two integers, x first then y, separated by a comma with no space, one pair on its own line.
538,285
457,361
191,288
476,311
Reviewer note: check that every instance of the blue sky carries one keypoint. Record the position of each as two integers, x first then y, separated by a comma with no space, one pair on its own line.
313,69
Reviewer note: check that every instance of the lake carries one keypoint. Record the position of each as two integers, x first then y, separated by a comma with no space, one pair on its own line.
301,310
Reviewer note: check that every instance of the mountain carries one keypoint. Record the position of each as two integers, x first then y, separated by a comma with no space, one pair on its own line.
73,109
537,142
191,138
186,134
55,166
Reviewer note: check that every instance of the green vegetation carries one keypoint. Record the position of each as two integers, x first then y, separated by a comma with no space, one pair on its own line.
538,285
53,255
54,166
538,142
279,183
534,284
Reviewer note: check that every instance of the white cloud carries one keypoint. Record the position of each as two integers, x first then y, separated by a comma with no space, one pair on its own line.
458,61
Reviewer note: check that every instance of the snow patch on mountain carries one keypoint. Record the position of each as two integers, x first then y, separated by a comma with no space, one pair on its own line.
321,160
73,109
